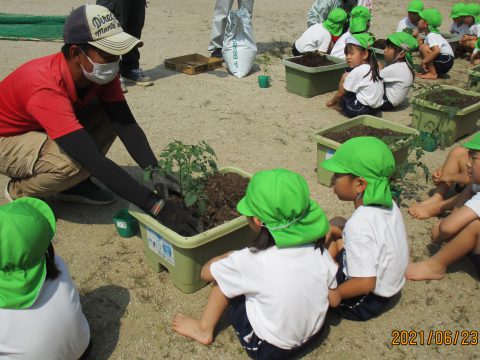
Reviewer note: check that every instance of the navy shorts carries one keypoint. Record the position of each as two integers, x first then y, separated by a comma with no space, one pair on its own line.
359,308
295,51
443,63
255,347
351,107
387,105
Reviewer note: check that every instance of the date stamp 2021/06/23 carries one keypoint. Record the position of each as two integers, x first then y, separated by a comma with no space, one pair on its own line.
434,337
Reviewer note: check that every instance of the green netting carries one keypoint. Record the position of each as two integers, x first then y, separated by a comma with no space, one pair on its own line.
31,27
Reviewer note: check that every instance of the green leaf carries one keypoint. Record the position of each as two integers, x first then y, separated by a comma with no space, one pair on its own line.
190,199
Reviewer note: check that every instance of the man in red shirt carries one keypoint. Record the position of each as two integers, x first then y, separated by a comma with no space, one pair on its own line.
60,114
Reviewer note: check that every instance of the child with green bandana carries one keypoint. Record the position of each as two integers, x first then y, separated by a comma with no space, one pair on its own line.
360,90
457,14
371,247
319,37
460,231
436,52
410,22
277,291
398,76
472,19
359,22
40,312
475,57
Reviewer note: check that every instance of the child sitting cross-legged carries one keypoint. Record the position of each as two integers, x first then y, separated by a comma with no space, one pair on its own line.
40,312
410,22
398,75
360,90
457,14
460,230
436,53
475,57
371,247
320,37
472,20
277,291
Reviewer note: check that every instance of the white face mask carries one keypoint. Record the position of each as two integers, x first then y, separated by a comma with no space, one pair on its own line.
101,73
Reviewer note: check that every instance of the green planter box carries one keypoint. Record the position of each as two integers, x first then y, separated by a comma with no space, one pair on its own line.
474,78
439,120
327,147
184,257
311,81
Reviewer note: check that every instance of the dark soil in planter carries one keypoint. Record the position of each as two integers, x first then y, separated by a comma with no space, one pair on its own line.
313,59
450,97
386,135
223,191
380,44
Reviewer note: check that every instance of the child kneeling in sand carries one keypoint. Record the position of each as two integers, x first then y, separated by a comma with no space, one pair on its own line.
40,312
360,90
371,247
460,230
277,291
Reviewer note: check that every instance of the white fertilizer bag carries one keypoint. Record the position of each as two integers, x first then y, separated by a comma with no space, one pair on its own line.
239,48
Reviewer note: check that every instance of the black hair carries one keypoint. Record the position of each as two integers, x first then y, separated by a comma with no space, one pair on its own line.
372,60
52,270
66,49
265,240
396,51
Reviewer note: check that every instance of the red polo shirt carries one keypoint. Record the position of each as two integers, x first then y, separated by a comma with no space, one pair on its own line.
41,96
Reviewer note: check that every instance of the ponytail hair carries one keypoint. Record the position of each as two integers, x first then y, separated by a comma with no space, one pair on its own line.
372,60
52,270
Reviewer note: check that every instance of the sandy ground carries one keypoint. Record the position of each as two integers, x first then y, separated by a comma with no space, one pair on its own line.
129,306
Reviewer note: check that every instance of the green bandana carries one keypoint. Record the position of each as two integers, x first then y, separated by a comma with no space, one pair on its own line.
335,21
473,144
433,18
473,9
477,44
405,41
369,158
27,227
281,200
458,10
415,6
364,40
358,25
360,12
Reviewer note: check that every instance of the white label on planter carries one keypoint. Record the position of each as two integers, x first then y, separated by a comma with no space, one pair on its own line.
329,154
160,246
121,224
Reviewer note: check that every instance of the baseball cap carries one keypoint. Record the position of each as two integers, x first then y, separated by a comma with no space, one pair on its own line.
97,26
27,227
280,198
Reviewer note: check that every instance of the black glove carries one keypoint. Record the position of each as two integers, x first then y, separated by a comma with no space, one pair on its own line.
164,184
177,217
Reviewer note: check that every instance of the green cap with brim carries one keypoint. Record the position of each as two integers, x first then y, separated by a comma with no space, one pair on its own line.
434,19
27,227
361,12
358,25
473,9
406,42
474,143
364,40
415,6
370,158
280,199
335,21
458,10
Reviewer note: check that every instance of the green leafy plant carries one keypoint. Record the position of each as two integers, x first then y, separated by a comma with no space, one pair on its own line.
264,61
190,165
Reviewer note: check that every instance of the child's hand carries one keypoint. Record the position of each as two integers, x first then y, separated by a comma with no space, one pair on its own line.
436,175
415,32
334,297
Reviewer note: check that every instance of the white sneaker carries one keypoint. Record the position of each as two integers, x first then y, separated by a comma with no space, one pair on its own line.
7,194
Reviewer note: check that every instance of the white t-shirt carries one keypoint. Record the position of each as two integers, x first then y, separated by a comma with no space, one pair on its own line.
474,30
458,30
368,92
405,23
338,49
376,245
474,202
434,39
397,79
315,38
53,328
286,290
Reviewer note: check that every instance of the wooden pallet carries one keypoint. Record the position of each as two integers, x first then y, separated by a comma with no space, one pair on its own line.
193,64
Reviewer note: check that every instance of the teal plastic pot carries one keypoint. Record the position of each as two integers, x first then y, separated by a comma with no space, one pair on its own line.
126,225
264,81
429,141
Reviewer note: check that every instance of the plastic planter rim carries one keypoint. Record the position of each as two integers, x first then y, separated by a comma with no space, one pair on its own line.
339,64
438,107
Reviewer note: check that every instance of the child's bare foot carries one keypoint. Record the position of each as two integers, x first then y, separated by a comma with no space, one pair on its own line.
330,103
190,327
428,269
428,75
425,211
